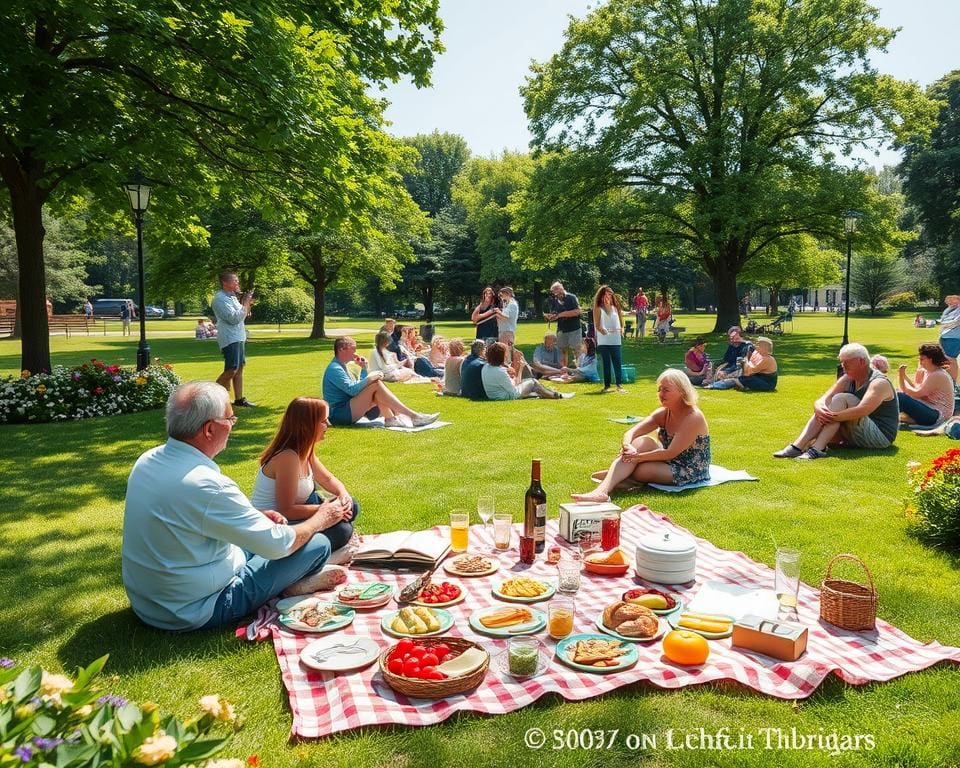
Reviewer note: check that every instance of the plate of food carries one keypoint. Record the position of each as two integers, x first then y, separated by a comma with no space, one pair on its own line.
613,563
340,654
661,603
713,626
632,623
523,589
471,565
596,653
365,597
310,614
417,621
507,621
440,595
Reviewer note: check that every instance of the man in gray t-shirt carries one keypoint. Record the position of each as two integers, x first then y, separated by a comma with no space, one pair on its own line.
566,313
546,357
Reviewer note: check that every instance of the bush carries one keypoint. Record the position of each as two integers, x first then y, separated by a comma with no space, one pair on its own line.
51,720
91,389
934,507
288,305
905,300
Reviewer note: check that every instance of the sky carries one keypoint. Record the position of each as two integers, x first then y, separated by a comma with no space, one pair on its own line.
490,44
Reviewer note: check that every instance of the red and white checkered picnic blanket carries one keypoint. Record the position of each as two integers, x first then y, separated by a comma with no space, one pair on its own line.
325,703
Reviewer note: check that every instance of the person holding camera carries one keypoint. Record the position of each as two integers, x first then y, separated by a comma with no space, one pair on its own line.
350,399
231,313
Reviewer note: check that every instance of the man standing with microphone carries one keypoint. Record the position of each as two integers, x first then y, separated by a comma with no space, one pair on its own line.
232,334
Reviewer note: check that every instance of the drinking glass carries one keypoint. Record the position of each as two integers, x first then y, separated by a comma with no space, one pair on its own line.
502,530
523,655
560,617
610,532
588,542
568,571
787,578
459,530
485,509
527,550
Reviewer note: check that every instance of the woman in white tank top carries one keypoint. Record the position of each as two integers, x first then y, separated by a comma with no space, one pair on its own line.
290,473
608,322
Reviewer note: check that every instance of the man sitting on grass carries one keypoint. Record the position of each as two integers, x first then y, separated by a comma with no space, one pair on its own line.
196,554
546,357
861,409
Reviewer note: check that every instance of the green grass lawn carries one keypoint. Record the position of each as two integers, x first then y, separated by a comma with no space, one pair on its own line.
60,521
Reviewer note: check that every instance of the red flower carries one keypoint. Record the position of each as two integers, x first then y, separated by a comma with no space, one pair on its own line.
98,391
253,761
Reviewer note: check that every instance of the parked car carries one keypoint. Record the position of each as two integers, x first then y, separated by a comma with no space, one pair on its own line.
108,307
153,311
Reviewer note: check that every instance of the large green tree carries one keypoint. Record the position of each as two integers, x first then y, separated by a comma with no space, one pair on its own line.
708,126
931,166
875,276
202,95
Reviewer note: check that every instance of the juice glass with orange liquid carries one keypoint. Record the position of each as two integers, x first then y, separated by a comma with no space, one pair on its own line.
560,617
459,530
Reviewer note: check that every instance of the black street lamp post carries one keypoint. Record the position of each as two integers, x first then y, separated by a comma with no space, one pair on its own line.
138,190
850,219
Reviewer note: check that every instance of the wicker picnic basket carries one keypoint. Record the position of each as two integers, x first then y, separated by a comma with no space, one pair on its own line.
848,604
435,689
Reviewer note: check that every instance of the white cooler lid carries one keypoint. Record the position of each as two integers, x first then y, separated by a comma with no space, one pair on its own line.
667,544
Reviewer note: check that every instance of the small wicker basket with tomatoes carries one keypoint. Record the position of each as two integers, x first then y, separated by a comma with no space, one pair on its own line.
411,667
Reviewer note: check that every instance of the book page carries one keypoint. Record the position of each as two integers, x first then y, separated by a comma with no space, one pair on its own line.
426,543
382,545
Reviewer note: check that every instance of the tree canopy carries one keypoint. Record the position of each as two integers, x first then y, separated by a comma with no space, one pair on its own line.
711,127
269,96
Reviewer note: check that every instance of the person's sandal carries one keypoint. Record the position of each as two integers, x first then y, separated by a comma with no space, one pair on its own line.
790,452
812,453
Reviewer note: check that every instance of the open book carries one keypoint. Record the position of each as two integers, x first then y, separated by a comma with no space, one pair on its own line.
403,548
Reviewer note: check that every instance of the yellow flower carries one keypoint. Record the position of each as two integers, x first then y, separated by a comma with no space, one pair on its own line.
41,389
141,380
217,707
25,374
55,684
155,749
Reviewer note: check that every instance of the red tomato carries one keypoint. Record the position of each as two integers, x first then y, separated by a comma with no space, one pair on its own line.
446,585
411,668
440,649
404,645
436,674
446,657
429,660
395,666
427,670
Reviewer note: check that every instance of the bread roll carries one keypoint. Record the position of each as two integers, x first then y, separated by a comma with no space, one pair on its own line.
629,612
644,626
608,620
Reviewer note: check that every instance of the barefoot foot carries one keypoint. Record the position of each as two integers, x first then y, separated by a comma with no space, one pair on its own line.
594,497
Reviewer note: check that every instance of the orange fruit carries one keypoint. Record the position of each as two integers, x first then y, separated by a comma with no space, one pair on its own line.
687,648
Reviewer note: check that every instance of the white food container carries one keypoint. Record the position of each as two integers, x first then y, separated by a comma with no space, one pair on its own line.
667,558
583,516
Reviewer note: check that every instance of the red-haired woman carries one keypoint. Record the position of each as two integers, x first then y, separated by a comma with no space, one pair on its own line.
290,473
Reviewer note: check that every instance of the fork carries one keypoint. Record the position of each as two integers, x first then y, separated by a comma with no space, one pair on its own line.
336,650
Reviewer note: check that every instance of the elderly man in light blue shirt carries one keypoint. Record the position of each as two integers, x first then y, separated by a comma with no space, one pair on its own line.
351,399
231,313
196,553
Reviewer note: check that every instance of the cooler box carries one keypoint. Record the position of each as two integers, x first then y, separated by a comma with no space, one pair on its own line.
628,373
581,516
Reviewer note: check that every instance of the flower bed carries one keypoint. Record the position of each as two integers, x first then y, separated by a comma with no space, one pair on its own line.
52,720
91,389
934,505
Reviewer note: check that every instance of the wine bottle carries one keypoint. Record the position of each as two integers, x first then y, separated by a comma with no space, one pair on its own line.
535,509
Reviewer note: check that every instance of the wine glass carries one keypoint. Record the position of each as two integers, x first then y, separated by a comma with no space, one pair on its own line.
485,509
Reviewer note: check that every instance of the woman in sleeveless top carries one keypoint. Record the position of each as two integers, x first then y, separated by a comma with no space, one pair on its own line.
679,456
485,315
926,400
290,473
608,321
386,362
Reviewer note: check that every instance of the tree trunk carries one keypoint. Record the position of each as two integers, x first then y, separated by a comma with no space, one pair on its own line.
428,300
728,304
26,202
319,309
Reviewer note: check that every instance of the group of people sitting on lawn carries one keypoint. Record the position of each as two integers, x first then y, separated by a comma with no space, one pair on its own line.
745,365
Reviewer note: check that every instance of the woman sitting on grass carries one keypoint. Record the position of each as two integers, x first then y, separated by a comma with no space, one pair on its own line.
680,455
290,473
451,368
759,370
928,399
696,365
586,369
386,361
500,384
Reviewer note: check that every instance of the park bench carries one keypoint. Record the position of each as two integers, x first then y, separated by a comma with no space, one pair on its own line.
676,330
69,323
6,326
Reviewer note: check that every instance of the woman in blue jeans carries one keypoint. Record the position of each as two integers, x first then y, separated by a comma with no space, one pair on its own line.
928,398
290,474
608,322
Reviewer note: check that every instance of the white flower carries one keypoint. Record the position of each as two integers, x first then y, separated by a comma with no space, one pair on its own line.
54,684
156,749
217,707
228,762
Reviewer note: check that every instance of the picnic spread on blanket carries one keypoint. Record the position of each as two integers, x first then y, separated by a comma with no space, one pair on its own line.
488,634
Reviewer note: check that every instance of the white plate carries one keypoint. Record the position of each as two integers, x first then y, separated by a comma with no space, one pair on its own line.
511,599
444,617
536,624
674,619
366,605
341,662
662,628
289,604
449,567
